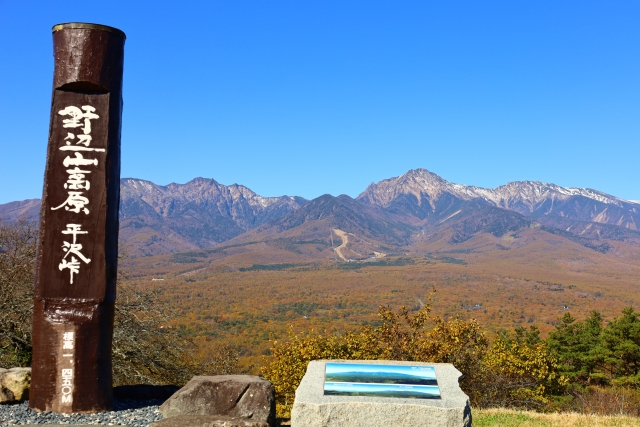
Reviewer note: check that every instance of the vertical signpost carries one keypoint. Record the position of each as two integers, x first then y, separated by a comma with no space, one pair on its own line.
75,285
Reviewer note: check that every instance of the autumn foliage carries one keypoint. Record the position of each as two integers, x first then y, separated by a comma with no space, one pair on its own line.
144,349
509,372
219,316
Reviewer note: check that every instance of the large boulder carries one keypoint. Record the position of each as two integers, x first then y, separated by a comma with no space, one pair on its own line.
14,384
208,421
243,396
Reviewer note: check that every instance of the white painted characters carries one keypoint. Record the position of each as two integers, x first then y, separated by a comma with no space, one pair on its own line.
77,115
77,179
67,373
67,386
72,249
75,202
67,341
77,184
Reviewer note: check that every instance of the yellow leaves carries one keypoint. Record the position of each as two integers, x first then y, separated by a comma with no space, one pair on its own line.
520,359
402,336
509,373
528,372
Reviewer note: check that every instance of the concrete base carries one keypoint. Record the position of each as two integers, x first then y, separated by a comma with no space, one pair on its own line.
312,408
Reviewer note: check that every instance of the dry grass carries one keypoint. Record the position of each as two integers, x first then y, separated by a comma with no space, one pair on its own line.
510,418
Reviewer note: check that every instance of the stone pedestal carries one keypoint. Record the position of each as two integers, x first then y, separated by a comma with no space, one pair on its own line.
312,408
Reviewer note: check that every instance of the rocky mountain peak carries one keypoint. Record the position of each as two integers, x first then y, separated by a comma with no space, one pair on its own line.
422,183
534,192
416,182
201,213
525,197
201,192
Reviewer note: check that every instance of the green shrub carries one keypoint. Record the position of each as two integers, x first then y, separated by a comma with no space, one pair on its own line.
511,372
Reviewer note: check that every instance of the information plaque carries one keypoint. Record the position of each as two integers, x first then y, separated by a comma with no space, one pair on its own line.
403,381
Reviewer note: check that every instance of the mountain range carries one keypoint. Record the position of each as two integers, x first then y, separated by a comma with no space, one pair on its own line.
416,212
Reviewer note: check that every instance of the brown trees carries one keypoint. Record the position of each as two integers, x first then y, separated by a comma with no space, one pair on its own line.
17,255
144,349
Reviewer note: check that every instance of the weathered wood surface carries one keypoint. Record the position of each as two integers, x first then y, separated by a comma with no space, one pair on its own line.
76,266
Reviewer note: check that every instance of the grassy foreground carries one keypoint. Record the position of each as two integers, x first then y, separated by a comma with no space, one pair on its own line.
510,418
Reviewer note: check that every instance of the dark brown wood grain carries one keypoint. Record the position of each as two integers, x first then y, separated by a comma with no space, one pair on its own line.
76,266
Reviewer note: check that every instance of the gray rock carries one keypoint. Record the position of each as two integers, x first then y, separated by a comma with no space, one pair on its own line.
208,421
311,408
244,396
14,384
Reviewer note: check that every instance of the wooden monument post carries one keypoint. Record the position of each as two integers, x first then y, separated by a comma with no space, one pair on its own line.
75,285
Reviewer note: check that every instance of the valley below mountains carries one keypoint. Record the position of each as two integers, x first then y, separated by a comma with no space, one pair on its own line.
240,268
418,212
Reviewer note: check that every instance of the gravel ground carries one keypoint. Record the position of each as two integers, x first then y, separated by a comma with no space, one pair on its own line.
132,413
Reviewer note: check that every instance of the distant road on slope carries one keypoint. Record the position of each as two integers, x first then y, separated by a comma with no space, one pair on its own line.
345,241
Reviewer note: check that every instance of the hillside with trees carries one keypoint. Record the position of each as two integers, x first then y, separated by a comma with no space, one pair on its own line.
195,323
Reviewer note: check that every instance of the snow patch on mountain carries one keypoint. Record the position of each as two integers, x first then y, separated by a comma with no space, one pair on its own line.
235,201
421,183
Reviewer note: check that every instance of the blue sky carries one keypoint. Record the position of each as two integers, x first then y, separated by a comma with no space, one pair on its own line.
420,371
312,97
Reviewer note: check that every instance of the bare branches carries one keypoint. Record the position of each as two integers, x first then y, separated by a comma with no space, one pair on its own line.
17,256
145,348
